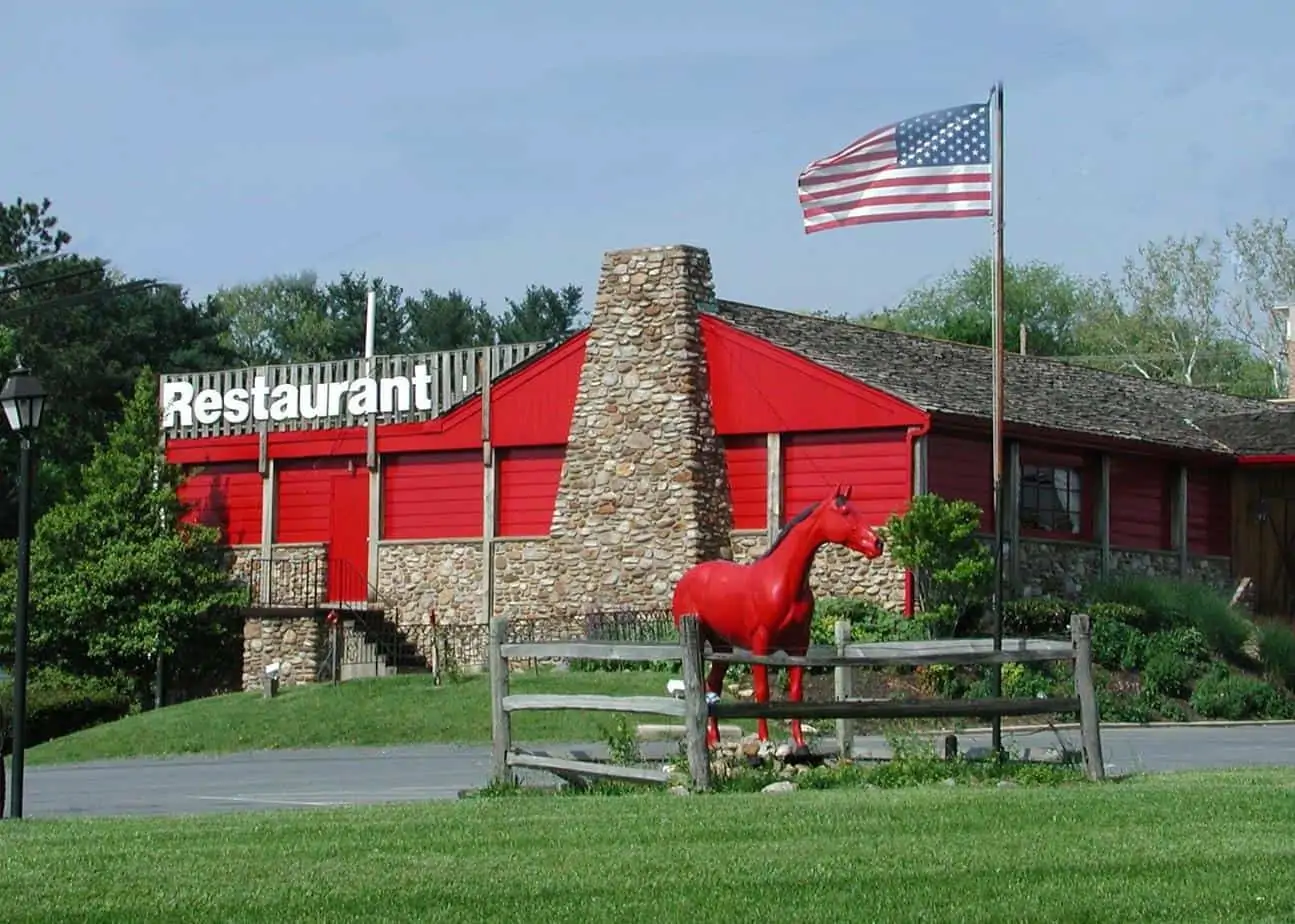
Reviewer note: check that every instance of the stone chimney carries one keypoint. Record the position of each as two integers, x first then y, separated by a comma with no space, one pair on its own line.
643,493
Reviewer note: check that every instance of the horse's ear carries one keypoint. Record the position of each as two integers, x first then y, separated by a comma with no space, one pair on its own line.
849,489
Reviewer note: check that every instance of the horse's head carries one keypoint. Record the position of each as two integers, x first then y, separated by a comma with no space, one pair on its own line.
842,523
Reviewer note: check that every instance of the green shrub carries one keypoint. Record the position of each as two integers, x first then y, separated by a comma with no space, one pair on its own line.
1170,604
1037,616
1117,645
1124,707
1277,653
1126,613
1167,675
59,703
1027,681
869,622
1222,694
1186,643
953,571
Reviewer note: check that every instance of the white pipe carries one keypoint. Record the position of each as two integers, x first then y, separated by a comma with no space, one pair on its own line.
370,322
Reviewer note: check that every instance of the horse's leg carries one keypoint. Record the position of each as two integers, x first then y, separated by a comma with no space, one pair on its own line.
795,676
760,676
715,684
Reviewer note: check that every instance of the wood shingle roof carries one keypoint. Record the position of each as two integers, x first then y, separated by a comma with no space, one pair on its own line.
941,376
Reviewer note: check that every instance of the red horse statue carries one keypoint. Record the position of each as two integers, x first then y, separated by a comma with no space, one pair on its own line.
767,606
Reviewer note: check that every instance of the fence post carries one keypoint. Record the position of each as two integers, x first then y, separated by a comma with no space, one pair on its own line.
500,722
1081,632
695,708
844,675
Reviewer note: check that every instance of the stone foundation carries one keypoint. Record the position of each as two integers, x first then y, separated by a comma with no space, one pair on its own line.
1064,569
296,642
838,571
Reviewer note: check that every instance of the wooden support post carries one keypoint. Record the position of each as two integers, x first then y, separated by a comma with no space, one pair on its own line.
1180,521
500,723
1103,517
1012,525
773,485
265,567
375,526
696,711
490,484
1081,632
844,688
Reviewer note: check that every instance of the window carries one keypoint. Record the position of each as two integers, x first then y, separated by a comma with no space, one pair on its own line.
1050,498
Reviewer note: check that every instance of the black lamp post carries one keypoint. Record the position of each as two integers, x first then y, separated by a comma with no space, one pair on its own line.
23,400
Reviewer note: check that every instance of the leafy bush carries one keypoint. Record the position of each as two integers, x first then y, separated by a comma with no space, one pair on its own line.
952,569
1022,681
869,622
1117,645
1125,707
59,704
1277,653
1037,617
1128,614
1170,604
1222,694
1186,643
1168,675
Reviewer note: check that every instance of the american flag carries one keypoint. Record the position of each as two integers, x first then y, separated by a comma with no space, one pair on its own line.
934,165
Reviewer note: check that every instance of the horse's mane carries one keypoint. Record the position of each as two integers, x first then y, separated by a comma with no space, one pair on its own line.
787,528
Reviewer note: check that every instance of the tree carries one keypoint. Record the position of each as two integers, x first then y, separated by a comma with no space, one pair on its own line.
1050,302
543,314
1263,264
28,230
1170,326
87,339
447,322
116,575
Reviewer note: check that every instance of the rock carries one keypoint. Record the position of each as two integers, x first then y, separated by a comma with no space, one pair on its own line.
1006,784
950,782
780,787
680,791
782,751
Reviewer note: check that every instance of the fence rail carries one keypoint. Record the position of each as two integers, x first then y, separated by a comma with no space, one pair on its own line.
696,708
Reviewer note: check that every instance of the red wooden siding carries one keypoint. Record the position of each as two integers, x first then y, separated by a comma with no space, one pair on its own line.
527,489
756,387
745,462
225,496
1209,511
1140,499
1078,463
875,463
304,498
962,468
433,495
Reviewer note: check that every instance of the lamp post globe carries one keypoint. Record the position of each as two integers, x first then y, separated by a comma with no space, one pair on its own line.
23,400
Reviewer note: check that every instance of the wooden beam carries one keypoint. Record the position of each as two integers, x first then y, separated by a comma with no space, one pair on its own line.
500,722
1103,516
490,482
1012,530
565,765
695,713
1180,519
593,651
938,651
921,465
1081,632
268,495
375,523
773,485
594,702
894,709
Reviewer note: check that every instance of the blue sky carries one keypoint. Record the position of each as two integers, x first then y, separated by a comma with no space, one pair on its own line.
489,145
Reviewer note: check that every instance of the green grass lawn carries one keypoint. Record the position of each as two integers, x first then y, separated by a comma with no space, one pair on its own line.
1180,848
395,710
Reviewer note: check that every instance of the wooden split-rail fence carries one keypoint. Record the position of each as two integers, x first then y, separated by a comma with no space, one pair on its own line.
694,708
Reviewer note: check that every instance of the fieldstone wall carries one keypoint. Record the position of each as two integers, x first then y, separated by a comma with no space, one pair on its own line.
426,578
296,642
642,495
839,572
1064,569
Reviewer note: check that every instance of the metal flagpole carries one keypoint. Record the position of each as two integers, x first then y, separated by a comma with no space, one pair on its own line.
1000,499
